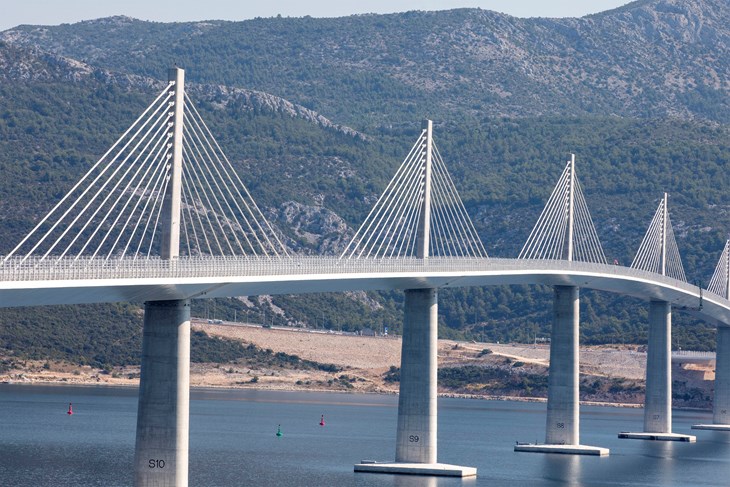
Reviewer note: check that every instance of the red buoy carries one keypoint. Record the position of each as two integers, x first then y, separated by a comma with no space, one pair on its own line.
321,421
70,410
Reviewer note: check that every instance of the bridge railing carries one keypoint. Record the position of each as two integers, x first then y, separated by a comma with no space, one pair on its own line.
36,269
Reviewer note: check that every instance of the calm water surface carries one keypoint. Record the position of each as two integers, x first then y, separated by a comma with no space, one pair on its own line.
233,442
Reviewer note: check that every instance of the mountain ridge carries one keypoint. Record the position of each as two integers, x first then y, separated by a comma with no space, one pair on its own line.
33,64
647,59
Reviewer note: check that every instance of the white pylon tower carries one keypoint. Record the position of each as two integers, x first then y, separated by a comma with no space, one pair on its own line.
664,235
164,189
171,204
424,223
163,411
727,270
658,251
420,214
720,282
565,228
571,206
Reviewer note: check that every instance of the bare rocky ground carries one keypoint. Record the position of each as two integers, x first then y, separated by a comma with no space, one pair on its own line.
609,374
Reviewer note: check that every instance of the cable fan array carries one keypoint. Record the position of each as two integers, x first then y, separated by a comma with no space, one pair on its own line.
551,233
658,251
719,282
220,216
391,227
115,208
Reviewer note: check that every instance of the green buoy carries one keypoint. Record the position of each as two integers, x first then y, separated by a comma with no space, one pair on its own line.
278,431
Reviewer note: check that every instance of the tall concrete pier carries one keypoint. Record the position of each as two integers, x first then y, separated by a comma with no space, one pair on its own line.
721,401
563,420
562,429
417,415
161,452
416,434
658,401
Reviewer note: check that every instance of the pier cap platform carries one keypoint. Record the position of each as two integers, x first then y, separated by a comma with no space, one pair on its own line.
435,469
657,436
563,449
711,427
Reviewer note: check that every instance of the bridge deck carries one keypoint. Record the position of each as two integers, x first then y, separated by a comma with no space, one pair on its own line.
33,282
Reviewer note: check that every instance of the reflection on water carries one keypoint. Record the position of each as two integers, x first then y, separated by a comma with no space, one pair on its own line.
233,442
666,450
414,481
563,469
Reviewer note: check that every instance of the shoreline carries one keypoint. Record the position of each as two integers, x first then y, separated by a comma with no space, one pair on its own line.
89,384
611,376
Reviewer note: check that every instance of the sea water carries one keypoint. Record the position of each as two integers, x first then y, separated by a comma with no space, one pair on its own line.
233,441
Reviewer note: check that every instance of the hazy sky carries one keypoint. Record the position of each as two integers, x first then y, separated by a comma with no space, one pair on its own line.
53,12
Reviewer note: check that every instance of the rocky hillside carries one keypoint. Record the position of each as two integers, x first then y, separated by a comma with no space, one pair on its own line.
651,58
30,64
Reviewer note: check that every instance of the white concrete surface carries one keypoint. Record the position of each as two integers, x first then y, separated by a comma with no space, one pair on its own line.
721,402
712,427
657,436
161,450
563,449
563,420
658,402
435,469
416,435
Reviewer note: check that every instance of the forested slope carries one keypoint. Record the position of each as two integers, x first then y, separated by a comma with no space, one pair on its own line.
316,115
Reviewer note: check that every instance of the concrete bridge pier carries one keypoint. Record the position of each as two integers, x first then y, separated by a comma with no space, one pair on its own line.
721,401
416,438
161,450
562,433
658,401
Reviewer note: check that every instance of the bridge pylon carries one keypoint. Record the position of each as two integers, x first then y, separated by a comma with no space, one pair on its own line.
171,211
163,419
720,285
419,214
720,281
163,190
416,434
659,253
564,231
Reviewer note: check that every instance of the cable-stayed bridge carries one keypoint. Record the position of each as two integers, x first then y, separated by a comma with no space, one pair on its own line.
163,218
